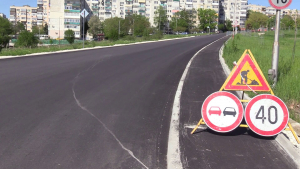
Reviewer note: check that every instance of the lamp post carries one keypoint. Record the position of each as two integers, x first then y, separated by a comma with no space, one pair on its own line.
59,30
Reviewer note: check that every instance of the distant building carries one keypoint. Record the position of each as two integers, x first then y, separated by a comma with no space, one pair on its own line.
123,8
43,12
2,15
64,15
24,14
235,11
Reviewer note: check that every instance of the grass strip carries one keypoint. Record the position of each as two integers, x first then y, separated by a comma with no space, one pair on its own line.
88,44
288,85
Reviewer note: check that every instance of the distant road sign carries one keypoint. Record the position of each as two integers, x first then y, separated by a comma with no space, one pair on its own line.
266,115
84,13
280,4
222,112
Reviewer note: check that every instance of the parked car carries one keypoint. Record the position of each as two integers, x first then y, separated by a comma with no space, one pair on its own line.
229,111
214,110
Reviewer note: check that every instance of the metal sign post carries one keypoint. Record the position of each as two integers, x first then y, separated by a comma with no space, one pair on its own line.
83,13
83,29
277,4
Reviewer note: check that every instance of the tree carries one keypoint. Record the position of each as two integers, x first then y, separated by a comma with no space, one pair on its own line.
183,19
271,22
96,27
27,39
45,28
287,22
70,36
221,27
37,30
111,28
5,31
207,18
19,27
160,18
140,24
256,20
228,25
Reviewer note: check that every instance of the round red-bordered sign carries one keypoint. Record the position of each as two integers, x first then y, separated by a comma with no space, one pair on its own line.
222,112
282,4
266,115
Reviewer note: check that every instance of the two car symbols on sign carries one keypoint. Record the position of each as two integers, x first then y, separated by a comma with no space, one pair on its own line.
217,110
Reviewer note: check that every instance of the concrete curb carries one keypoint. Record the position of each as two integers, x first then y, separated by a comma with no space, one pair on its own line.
283,139
96,47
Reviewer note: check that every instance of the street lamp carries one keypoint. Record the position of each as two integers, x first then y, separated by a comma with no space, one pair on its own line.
59,29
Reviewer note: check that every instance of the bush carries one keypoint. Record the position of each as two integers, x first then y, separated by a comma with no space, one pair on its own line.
27,39
129,38
157,35
70,36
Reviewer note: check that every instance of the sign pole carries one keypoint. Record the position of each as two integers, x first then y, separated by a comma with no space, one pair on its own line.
274,71
83,28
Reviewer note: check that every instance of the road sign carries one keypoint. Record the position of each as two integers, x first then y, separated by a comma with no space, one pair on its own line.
84,13
280,4
222,112
246,76
266,115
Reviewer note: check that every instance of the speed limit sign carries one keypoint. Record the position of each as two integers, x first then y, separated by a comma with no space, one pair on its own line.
266,115
280,4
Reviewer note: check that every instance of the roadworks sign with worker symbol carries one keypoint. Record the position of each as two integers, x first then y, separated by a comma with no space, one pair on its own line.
246,76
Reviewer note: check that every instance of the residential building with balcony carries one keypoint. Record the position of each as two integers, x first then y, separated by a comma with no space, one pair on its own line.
123,8
235,11
43,12
24,14
65,14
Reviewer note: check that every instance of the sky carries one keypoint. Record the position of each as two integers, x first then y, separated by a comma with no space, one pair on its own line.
5,4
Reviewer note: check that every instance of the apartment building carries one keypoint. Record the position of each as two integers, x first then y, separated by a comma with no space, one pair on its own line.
123,8
43,12
2,15
64,15
235,11
24,14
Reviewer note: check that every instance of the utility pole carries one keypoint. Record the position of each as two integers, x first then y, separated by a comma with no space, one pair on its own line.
133,28
119,30
159,22
273,72
59,31
83,29
234,19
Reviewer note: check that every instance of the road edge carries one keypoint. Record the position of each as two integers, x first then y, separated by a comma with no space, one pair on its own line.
93,48
281,139
173,151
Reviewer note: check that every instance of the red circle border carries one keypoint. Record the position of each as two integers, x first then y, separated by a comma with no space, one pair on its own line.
261,132
222,129
276,7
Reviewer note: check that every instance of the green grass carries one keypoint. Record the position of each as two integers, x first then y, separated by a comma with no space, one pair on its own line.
288,85
88,44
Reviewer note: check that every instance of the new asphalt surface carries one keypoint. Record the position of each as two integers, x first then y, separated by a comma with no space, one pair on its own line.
111,108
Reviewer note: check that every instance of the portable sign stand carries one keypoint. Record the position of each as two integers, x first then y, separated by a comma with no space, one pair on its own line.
248,69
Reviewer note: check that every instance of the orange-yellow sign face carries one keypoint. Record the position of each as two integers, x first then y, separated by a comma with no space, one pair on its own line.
246,77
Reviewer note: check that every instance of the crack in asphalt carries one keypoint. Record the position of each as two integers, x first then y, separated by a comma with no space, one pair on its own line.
103,124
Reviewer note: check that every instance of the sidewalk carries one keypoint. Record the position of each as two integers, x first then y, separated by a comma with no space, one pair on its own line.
240,148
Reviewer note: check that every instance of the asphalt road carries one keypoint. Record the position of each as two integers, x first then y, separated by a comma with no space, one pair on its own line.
109,108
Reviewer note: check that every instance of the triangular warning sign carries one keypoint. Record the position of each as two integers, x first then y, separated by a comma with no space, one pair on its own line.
246,76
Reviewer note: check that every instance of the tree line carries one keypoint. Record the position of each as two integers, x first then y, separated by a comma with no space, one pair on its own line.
138,25
256,20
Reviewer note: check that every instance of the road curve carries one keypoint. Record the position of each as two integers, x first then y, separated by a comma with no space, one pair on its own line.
103,108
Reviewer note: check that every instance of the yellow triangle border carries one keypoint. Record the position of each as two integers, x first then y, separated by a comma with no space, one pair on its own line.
255,63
